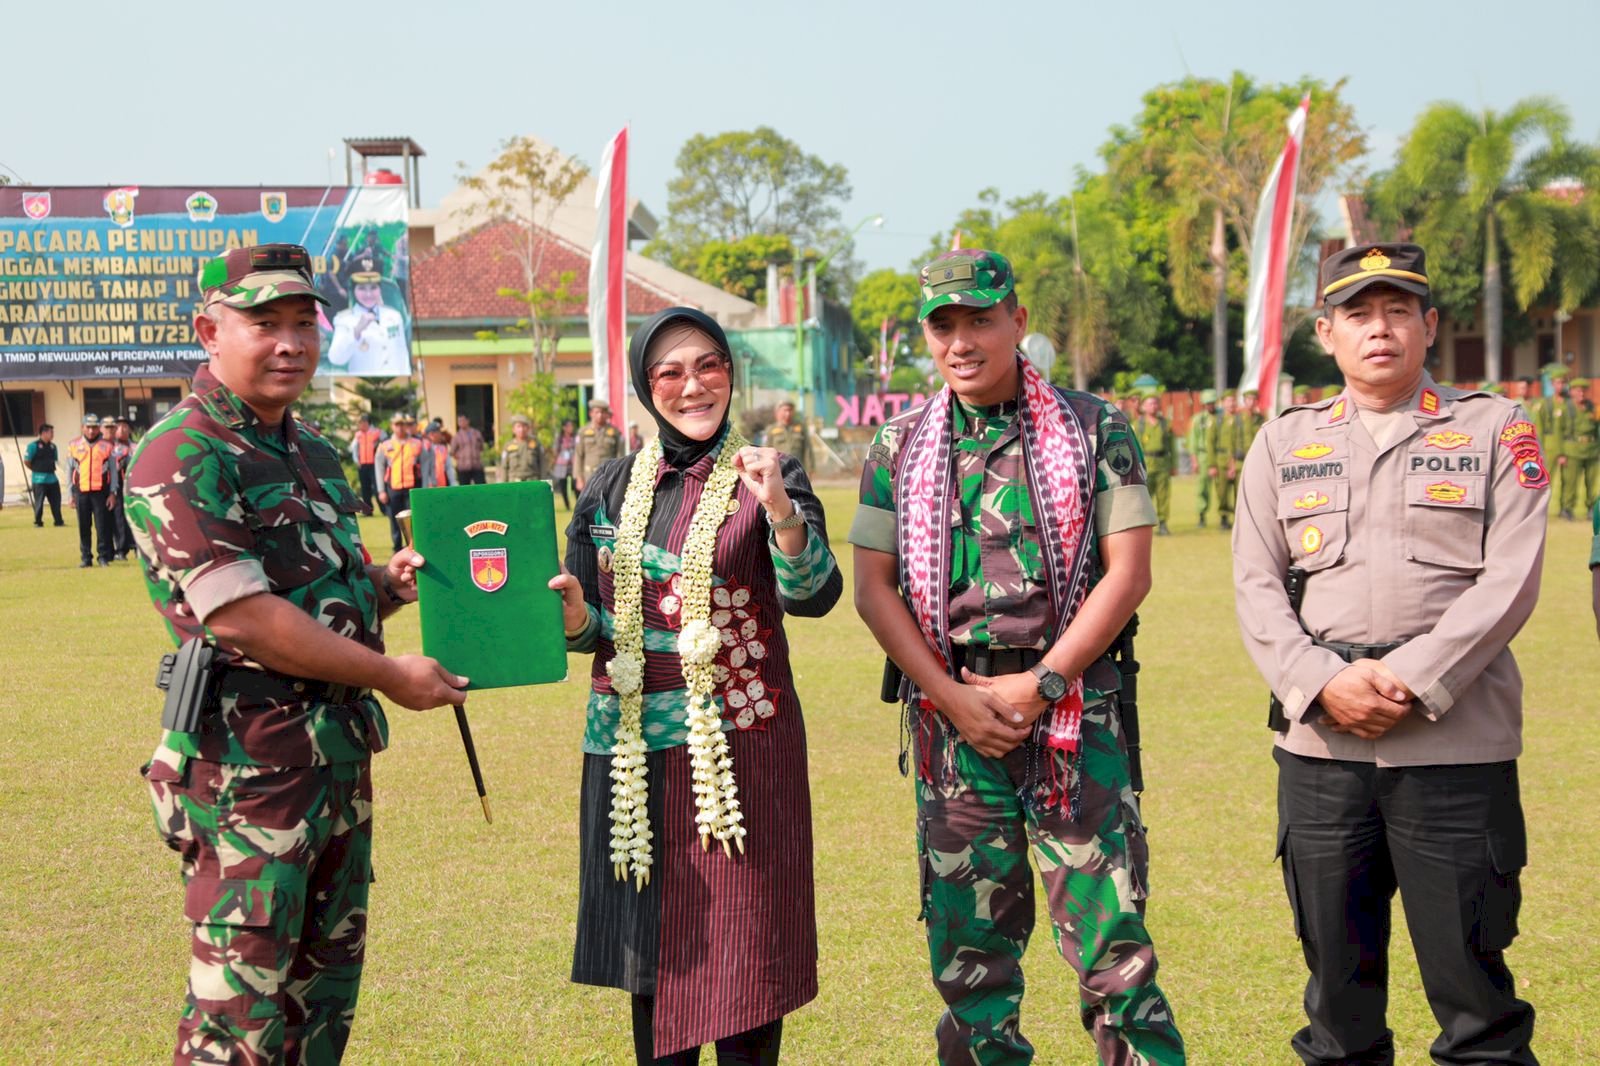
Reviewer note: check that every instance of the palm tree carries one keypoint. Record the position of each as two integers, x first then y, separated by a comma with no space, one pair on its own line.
1478,184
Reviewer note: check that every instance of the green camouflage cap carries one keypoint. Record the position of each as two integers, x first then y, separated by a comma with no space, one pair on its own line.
261,273
970,277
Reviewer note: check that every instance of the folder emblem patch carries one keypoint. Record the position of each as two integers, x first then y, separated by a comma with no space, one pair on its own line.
489,568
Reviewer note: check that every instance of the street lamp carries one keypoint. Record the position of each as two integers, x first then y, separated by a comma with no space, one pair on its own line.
807,404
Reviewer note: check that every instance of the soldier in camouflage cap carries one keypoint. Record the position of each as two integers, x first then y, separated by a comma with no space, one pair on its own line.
969,571
248,527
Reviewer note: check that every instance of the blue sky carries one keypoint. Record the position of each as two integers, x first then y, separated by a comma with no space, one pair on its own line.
925,104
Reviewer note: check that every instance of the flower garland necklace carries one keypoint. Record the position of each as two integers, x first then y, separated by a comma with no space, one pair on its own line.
716,795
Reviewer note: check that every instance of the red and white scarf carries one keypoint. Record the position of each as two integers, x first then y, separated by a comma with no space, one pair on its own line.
1058,457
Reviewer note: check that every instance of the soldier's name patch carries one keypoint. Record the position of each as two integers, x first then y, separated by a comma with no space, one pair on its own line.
487,525
1311,540
1315,450
1311,501
1303,471
1447,441
1446,492
488,568
1448,464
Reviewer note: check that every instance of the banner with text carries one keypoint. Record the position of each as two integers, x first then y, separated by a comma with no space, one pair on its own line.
102,282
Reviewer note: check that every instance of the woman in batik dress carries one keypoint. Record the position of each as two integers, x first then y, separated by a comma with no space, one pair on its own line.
695,887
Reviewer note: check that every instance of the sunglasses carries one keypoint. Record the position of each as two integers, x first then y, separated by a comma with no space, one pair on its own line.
669,379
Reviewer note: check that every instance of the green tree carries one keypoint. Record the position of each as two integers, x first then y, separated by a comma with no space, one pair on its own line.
1476,188
1210,147
385,398
740,266
524,186
744,183
892,296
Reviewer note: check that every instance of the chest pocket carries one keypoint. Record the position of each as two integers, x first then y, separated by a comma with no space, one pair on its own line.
293,540
1444,519
1316,521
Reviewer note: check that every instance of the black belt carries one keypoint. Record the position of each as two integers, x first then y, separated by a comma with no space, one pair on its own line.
256,685
992,662
1351,652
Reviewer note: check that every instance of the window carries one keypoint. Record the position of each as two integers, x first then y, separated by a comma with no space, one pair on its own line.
21,413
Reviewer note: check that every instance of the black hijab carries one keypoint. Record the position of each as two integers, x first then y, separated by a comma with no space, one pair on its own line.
680,451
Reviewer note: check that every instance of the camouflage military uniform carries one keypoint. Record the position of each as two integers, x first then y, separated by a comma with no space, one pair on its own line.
1160,449
1235,433
978,817
270,807
790,440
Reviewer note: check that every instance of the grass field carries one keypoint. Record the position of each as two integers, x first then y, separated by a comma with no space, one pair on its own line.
470,937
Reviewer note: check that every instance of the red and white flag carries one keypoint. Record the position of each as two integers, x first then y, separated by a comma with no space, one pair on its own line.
1269,271
608,302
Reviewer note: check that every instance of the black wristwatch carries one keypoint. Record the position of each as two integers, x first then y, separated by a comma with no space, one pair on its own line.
1052,686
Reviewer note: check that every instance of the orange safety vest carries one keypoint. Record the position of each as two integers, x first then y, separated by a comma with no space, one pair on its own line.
440,457
91,460
367,445
402,456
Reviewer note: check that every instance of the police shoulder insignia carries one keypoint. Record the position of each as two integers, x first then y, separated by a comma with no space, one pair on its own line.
1314,450
1447,440
1517,431
1430,402
1119,456
1336,412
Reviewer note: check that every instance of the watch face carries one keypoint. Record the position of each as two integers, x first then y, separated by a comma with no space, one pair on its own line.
1052,686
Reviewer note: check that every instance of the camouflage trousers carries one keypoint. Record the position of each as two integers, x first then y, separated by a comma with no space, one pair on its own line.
974,834
276,867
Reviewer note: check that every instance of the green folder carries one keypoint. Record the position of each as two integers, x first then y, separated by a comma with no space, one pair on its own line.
487,610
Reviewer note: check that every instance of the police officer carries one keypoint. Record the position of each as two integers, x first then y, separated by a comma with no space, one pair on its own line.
42,460
788,437
398,469
999,696
523,458
1160,449
597,442
1397,767
249,529
92,476
1574,440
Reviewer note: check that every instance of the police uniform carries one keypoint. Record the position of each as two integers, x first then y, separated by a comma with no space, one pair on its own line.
992,609
270,805
92,476
594,446
398,468
790,439
1420,530
522,460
